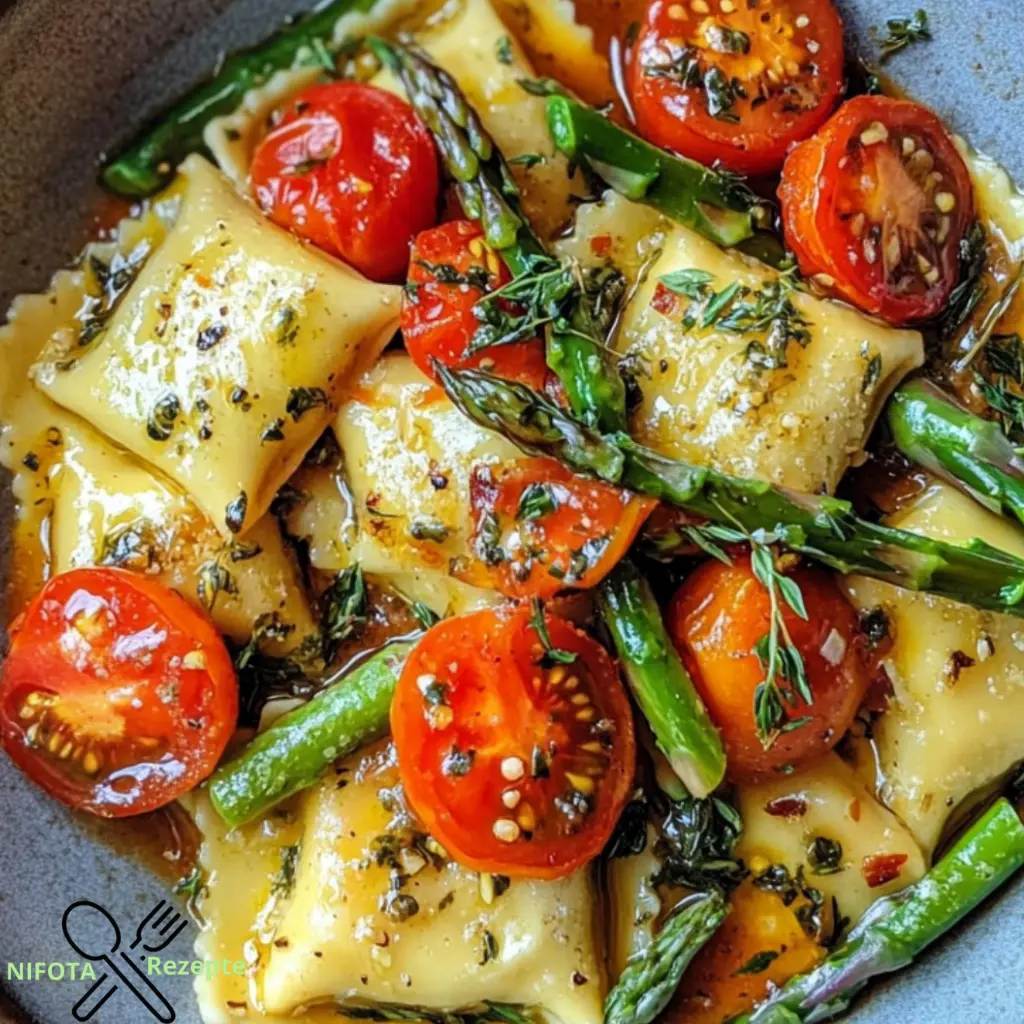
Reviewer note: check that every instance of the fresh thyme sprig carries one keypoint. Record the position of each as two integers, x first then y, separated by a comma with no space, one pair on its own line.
779,656
903,32
767,310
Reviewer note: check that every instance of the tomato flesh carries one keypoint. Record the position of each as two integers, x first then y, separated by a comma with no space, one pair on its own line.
716,619
540,529
117,696
516,763
353,170
739,83
452,269
875,205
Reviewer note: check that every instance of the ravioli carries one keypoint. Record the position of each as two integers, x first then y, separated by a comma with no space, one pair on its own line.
953,725
705,401
783,817
227,357
450,940
404,514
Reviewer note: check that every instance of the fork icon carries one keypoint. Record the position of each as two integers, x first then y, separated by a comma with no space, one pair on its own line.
157,930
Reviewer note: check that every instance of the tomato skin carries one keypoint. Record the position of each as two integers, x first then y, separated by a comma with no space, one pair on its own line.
791,72
350,168
471,686
844,203
438,321
717,617
107,662
582,511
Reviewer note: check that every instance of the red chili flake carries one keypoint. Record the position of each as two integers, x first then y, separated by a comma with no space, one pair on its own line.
665,301
786,807
957,662
601,245
880,868
854,809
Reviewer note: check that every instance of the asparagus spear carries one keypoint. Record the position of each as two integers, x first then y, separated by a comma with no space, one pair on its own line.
488,193
652,975
898,928
821,527
684,190
293,753
661,685
148,164
948,440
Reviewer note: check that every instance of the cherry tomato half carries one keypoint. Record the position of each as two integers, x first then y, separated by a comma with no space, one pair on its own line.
516,762
350,168
875,205
117,696
451,271
717,618
737,83
540,529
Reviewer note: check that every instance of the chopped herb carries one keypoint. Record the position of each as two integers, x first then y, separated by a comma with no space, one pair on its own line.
130,546
758,963
209,336
874,624
790,888
551,653
242,551
487,540
825,856
721,94
476,276
301,400
903,32
503,50
457,763
344,610
111,281
428,528
691,282
273,431
490,948
284,882
160,424
536,501
287,499
969,290
400,906
630,835
491,1013
696,843
214,579
234,513
31,461
872,374
526,160
540,767
723,39
541,86
286,326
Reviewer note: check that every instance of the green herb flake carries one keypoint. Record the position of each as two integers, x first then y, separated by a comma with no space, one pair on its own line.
457,763
758,963
503,51
428,528
538,624
536,501
301,400
526,160
234,513
284,881
162,417
825,856
344,605
903,32
213,580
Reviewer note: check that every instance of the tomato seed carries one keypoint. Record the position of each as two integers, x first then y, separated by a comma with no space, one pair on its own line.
506,830
510,798
526,818
874,133
945,201
803,21
512,768
90,763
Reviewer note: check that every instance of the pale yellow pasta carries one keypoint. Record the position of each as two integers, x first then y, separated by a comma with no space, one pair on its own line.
953,726
226,359
330,937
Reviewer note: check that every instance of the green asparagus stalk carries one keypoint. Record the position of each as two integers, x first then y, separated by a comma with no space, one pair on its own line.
661,685
682,189
898,928
823,528
948,440
488,193
652,975
149,163
294,752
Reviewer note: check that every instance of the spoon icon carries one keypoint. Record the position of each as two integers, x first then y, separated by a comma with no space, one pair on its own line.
77,919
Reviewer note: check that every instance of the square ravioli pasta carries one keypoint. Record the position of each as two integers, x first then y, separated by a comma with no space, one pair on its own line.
226,358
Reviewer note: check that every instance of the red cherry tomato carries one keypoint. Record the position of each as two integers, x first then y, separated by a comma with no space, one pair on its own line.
117,696
716,620
875,205
540,529
517,763
737,83
350,168
451,270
